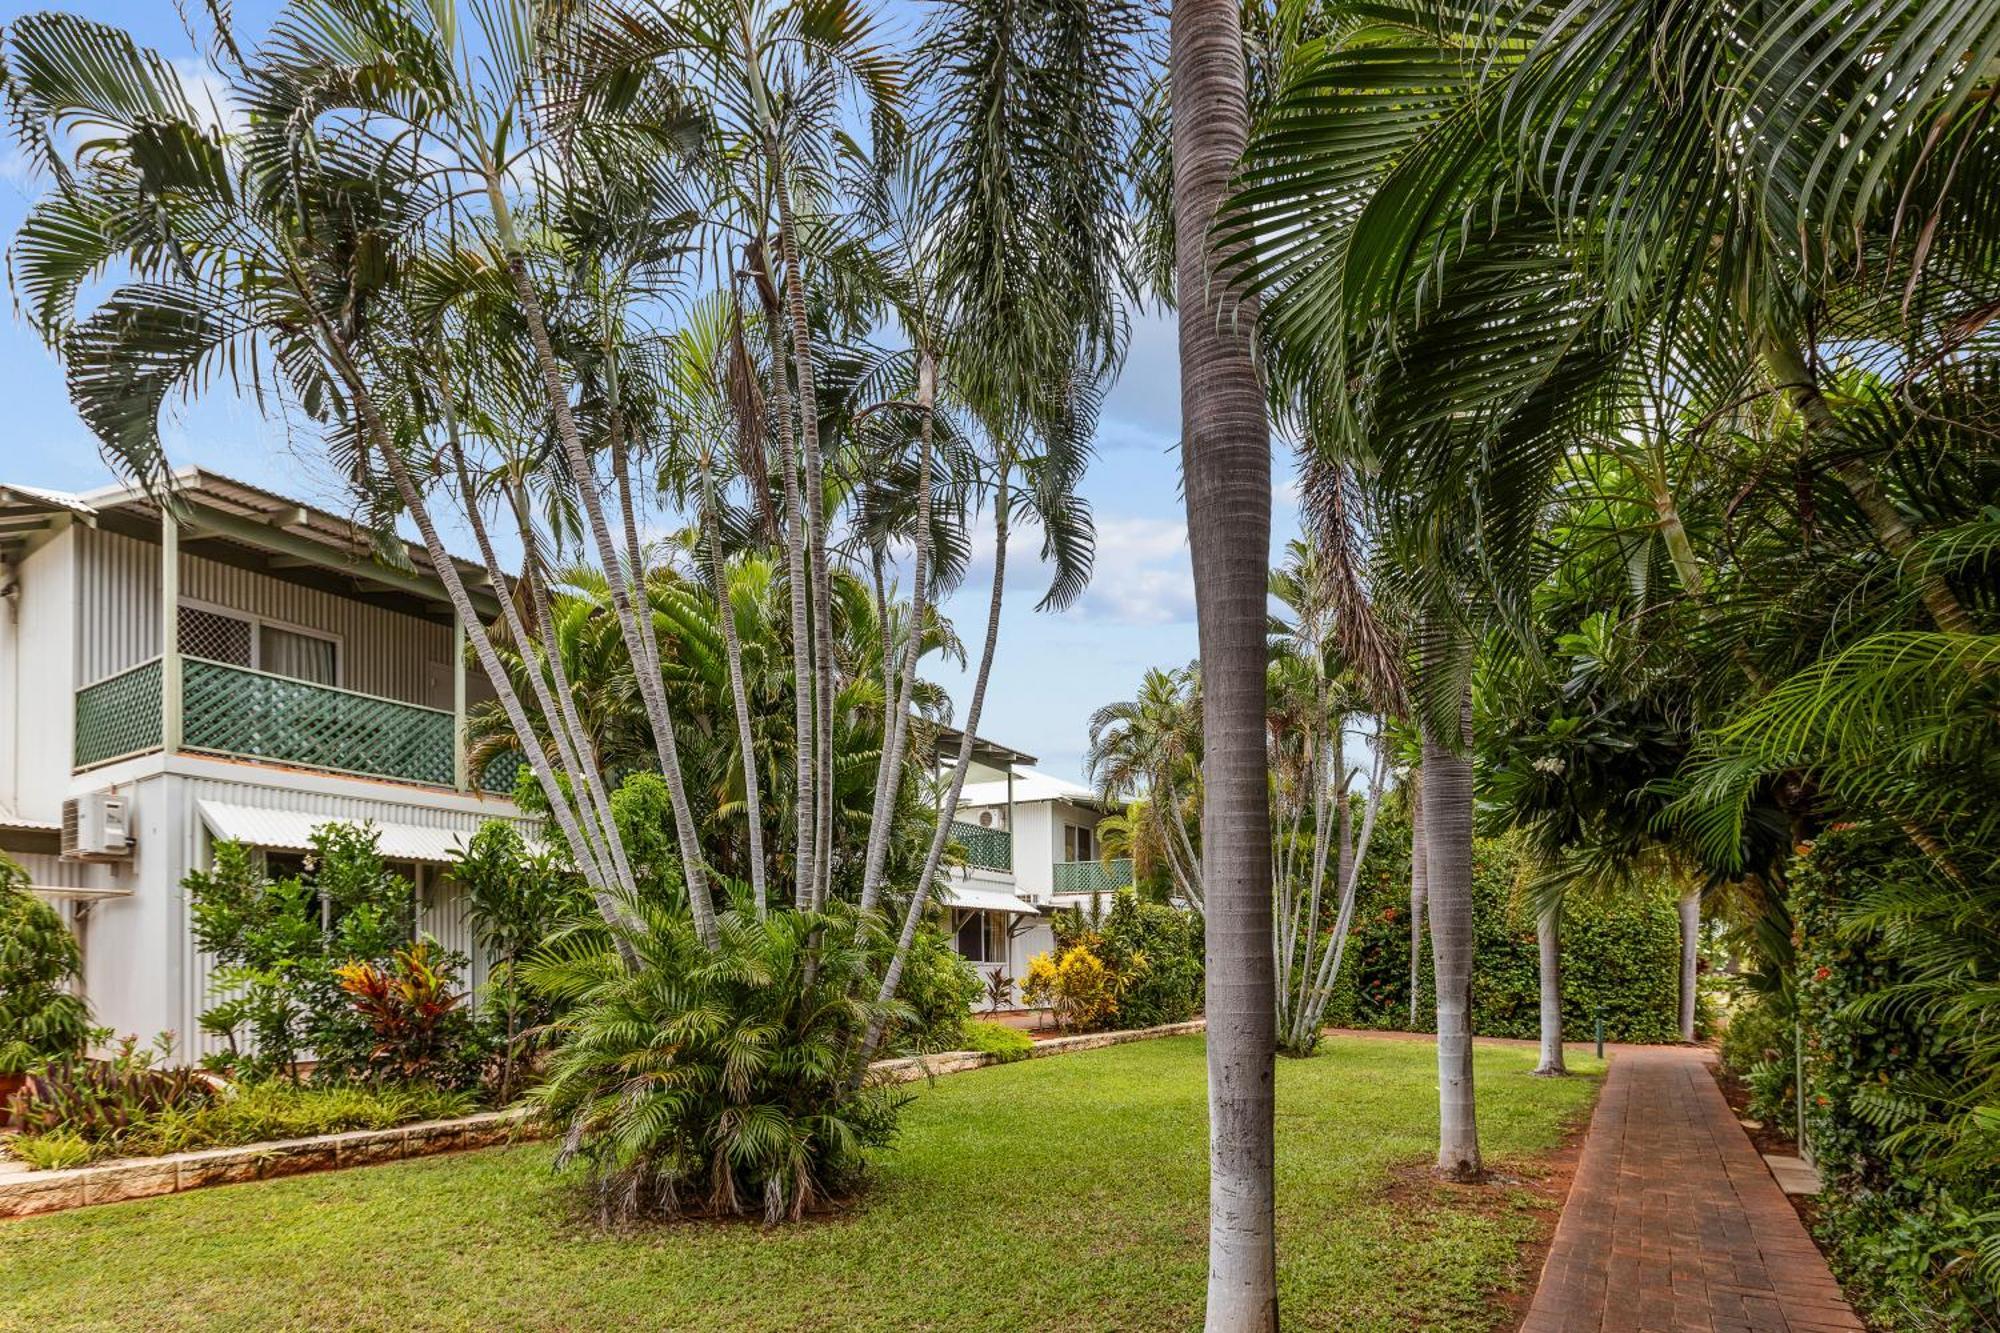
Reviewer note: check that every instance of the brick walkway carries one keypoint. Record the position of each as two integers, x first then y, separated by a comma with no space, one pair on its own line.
1674,1222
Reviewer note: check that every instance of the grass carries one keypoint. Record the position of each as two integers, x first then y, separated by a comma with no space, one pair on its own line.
1068,1193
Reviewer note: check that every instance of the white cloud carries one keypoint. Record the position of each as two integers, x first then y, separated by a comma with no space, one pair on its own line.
1142,575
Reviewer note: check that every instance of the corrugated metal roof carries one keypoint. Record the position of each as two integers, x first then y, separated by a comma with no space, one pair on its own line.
990,900
291,831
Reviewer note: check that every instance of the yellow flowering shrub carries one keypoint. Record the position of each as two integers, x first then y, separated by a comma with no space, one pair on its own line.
1078,988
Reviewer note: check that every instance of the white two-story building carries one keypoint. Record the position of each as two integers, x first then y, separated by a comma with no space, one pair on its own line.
247,668
1031,847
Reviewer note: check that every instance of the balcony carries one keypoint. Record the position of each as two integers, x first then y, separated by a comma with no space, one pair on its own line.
1092,876
239,713
986,848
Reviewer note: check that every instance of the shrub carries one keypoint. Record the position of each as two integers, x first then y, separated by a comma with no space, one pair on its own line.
516,898
714,1082
1007,1044
278,941
939,989
57,1150
39,1019
1168,987
1757,1047
1621,957
106,1102
1898,1113
422,1034
1079,987
262,1112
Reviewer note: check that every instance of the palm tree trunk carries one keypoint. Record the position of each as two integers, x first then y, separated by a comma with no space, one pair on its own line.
557,704
1548,945
948,810
815,503
1788,366
651,690
805,799
889,778
732,643
1448,844
377,433
1419,892
1690,912
1226,470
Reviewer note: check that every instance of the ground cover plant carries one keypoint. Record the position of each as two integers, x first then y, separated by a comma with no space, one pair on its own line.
1097,1221
96,1110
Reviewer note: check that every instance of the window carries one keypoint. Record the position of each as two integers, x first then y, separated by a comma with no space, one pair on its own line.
1079,844
245,641
283,652
217,637
982,938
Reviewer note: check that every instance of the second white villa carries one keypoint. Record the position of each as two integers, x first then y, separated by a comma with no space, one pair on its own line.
249,671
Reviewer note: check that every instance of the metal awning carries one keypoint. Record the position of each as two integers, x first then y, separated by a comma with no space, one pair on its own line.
990,900
291,831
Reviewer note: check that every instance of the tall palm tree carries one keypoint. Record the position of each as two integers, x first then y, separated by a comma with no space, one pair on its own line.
1226,470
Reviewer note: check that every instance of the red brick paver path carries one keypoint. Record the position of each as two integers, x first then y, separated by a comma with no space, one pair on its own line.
1674,1222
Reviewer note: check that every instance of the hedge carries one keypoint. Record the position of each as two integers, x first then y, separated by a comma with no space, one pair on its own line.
1621,954
1914,1236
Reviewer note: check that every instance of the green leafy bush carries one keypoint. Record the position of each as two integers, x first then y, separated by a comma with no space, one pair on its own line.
1169,988
288,948
713,1082
248,1113
1899,1108
997,1039
939,989
57,1150
273,1110
1621,957
107,1103
1757,1047
516,898
39,1019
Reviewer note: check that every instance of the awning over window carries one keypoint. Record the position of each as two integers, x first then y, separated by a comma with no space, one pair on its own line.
990,900
291,831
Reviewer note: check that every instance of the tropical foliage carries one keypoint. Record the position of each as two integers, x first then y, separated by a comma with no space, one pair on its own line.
40,1019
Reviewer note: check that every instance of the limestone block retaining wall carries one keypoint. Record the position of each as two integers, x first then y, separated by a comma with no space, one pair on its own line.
24,1193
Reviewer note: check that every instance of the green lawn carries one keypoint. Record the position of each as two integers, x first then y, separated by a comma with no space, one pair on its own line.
1054,1194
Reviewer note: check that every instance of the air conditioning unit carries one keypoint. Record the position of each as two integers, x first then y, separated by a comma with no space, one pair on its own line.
96,827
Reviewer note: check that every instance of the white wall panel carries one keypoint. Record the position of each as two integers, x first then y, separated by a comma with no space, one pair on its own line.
383,652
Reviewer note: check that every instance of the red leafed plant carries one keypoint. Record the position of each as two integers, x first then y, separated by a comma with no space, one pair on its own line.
410,1007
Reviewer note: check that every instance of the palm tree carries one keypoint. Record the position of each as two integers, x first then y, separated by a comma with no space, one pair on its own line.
1151,746
1226,470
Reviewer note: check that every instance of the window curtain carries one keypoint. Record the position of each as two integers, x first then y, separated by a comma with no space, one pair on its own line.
300,656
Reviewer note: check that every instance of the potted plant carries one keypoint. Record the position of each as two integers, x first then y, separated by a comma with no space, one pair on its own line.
40,1019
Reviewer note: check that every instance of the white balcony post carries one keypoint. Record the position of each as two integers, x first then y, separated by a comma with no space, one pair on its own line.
170,624
1013,864
460,769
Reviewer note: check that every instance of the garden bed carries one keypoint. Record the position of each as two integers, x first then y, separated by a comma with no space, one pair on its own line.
25,1192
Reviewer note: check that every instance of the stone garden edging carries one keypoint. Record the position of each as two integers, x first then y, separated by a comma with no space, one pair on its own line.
26,1193
911,1068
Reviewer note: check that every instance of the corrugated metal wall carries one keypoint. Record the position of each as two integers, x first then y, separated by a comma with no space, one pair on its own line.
382,652
441,904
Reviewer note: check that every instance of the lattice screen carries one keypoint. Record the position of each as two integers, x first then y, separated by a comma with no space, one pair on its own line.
119,715
217,638
244,713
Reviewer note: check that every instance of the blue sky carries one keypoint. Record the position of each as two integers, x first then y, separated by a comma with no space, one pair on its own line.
1052,670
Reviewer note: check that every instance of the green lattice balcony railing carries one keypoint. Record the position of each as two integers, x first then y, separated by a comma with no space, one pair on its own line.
231,710
988,848
119,715
497,778
1092,876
